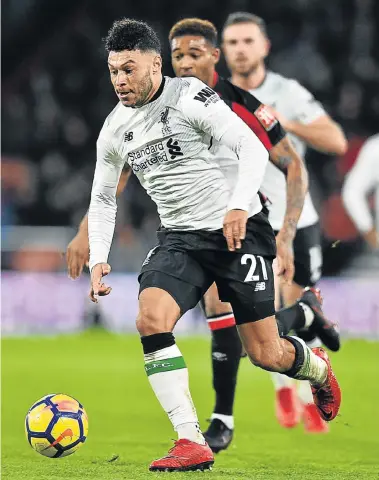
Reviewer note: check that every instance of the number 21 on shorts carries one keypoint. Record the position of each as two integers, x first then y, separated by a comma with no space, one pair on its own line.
252,276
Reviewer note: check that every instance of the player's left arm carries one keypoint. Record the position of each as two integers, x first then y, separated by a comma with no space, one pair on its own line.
311,123
285,157
215,118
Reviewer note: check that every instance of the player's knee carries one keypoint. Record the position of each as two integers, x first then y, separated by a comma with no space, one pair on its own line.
150,321
214,307
267,357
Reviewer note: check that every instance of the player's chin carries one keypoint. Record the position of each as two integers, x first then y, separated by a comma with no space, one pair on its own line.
127,100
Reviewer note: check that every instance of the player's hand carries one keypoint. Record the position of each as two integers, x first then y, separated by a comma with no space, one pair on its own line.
77,255
284,255
234,228
98,288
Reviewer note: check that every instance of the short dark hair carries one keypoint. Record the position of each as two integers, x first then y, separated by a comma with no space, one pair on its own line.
130,34
245,17
194,26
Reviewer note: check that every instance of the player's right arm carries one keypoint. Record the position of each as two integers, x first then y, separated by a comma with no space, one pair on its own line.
77,253
362,179
102,211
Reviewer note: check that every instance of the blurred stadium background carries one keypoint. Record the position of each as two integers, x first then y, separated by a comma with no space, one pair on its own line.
55,96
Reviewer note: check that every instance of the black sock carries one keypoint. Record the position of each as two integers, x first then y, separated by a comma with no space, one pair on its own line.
290,318
226,355
299,358
158,341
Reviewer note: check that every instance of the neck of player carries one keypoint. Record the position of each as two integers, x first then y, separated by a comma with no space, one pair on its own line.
250,81
157,83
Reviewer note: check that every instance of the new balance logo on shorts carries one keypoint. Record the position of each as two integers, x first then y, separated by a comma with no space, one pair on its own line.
260,286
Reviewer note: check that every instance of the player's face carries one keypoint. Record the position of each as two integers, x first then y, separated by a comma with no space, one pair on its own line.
193,56
245,47
132,75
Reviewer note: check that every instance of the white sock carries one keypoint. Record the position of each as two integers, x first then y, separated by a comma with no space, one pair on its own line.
227,419
308,314
314,368
281,381
314,343
304,392
168,376
303,387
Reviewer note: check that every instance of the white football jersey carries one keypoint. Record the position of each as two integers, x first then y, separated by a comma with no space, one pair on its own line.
361,181
167,144
295,102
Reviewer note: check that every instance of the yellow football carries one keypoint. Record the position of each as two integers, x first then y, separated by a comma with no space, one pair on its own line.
56,425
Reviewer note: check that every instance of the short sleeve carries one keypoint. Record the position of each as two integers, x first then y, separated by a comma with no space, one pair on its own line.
305,107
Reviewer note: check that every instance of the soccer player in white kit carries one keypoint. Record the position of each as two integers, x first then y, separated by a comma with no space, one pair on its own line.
361,181
245,46
208,231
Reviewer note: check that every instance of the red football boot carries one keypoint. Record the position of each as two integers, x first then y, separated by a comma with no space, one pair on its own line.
313,423
287,407
185,456
327,397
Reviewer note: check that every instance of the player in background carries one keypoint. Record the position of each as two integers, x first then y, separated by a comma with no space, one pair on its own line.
194,52
246,45
360,182
199,213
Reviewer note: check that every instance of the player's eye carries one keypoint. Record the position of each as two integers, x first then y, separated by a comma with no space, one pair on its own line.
195,56
249,41
177,57
113,72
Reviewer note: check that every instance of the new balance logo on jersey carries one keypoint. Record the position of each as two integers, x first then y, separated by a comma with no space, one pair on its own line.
207,96
260,287
128,136
174,149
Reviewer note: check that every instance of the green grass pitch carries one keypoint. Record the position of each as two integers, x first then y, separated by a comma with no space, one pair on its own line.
105,372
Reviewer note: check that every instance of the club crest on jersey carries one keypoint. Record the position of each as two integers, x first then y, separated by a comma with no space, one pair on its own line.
265,117
207,96
165,121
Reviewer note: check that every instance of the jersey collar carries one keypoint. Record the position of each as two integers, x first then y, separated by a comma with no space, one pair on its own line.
158,93
215,79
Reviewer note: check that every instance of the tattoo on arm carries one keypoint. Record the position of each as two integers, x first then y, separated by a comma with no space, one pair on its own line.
282,154
286,158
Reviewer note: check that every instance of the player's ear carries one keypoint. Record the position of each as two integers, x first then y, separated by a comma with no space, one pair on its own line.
216,55
267,47
157,64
